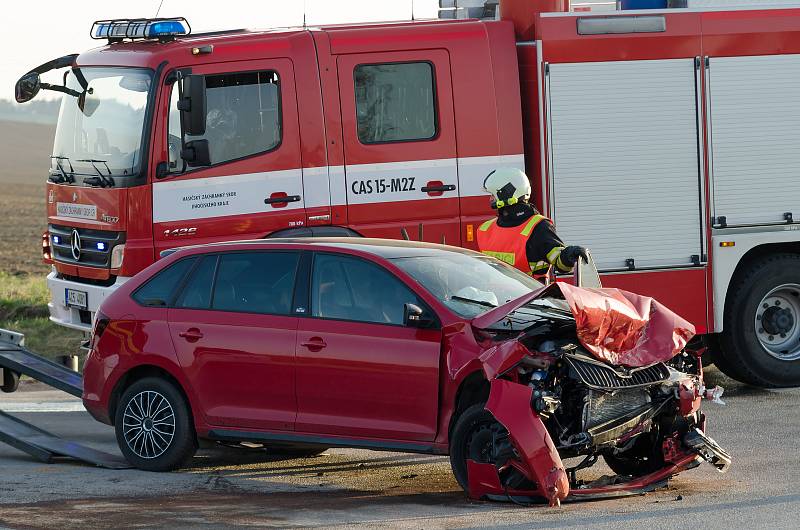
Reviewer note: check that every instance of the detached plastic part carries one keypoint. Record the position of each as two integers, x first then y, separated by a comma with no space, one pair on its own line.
714,394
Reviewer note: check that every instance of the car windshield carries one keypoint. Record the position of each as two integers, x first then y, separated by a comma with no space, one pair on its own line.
102,130
468,284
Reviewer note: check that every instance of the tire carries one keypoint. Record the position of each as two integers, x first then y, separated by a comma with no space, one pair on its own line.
763,303
643,458
472,439
10,381
168,440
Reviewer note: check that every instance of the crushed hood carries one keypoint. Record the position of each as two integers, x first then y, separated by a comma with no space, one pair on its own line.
615,326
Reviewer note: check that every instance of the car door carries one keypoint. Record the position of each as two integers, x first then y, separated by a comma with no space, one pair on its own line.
234,338
254,185
360,371
398,126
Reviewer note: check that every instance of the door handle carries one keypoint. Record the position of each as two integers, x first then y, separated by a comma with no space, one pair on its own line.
437,187
280,199
314,344
191,335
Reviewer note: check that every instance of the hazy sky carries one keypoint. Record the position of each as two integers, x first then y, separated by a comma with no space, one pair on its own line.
64,25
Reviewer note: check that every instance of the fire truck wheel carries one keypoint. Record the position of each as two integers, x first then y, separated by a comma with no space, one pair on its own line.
154,428
10,381
761,340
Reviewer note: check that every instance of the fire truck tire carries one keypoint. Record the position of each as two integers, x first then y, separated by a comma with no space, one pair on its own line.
154,427
10,381
761,338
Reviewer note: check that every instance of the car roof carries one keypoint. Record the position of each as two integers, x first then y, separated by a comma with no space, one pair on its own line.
384,248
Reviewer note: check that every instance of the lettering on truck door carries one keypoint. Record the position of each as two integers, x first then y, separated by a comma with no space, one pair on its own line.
399,145
254,185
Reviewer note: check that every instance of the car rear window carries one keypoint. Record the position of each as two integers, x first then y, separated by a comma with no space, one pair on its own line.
256,282
197,293
160,289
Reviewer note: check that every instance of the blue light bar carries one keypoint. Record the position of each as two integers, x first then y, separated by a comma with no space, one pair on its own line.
140,28
101,246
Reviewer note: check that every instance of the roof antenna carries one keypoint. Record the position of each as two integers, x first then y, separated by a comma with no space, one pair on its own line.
412,10
304,13
161,3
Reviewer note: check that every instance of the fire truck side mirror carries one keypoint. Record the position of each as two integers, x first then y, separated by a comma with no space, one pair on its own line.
192,104
27,87
196,153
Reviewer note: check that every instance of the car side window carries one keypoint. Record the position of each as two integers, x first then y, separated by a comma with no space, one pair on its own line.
347,288
197,292
159,290
243,117
256,282
395,102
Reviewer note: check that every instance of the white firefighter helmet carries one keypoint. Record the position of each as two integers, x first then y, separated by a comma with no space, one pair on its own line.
508,186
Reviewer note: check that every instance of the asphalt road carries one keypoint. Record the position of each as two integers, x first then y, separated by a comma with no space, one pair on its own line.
346,488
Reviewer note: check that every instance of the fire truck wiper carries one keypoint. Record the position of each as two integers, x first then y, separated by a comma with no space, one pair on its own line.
101,180
64,176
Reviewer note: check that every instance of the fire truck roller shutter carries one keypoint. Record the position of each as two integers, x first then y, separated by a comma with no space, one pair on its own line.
755,113
624,160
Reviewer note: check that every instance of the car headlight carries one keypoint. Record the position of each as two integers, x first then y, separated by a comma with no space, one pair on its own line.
117,255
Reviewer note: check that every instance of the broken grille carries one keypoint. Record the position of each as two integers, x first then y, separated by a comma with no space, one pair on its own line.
600,376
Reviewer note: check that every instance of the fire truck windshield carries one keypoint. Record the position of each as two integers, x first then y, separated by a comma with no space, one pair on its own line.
105,124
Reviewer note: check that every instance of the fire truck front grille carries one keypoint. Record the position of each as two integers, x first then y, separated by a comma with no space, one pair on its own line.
92,247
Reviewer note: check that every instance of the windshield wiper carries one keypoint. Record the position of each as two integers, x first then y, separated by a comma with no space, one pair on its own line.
471,301
64,176
102,180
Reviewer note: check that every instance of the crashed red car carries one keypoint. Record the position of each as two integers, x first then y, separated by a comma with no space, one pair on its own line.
300,345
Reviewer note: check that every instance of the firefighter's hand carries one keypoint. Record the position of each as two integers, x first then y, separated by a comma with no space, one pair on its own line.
569,256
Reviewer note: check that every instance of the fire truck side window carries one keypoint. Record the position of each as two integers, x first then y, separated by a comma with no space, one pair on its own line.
395,102
242,117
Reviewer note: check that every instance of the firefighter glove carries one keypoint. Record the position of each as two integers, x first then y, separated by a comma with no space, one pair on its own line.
570,255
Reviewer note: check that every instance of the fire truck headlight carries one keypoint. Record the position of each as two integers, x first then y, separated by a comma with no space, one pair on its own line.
117,256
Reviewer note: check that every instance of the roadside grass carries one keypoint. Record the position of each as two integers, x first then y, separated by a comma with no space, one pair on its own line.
23,308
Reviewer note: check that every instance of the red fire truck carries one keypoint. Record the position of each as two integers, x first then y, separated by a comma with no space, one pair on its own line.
665,141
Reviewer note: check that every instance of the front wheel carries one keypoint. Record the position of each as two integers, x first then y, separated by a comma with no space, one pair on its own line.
153,426
478,436
761,340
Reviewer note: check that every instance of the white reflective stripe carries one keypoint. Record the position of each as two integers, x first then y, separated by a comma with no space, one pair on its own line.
338,186
316,186
472,171
203,198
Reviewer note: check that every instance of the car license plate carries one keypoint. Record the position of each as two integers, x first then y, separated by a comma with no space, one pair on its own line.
77,299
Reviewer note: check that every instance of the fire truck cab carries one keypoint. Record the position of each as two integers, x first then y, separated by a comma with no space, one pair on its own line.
665,141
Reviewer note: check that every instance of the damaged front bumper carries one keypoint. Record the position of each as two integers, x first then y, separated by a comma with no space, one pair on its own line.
540,462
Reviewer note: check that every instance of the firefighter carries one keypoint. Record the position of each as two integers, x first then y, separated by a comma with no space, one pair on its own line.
520,235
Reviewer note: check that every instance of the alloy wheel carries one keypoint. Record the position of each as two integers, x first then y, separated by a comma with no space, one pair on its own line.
149,424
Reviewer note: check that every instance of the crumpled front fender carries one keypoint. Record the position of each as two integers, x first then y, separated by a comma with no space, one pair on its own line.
510,404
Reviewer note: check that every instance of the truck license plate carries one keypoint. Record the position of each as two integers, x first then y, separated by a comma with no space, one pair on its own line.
77,299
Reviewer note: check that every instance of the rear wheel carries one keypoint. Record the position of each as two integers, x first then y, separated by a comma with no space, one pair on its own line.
761,340
153,426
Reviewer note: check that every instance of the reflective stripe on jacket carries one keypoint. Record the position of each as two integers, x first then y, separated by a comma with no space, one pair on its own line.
509,244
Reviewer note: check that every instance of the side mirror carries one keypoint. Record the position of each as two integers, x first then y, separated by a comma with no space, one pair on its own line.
415,317
196,153
87,103
27,87
192,104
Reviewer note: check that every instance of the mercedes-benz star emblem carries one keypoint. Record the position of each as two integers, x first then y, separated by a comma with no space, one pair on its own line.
76,245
